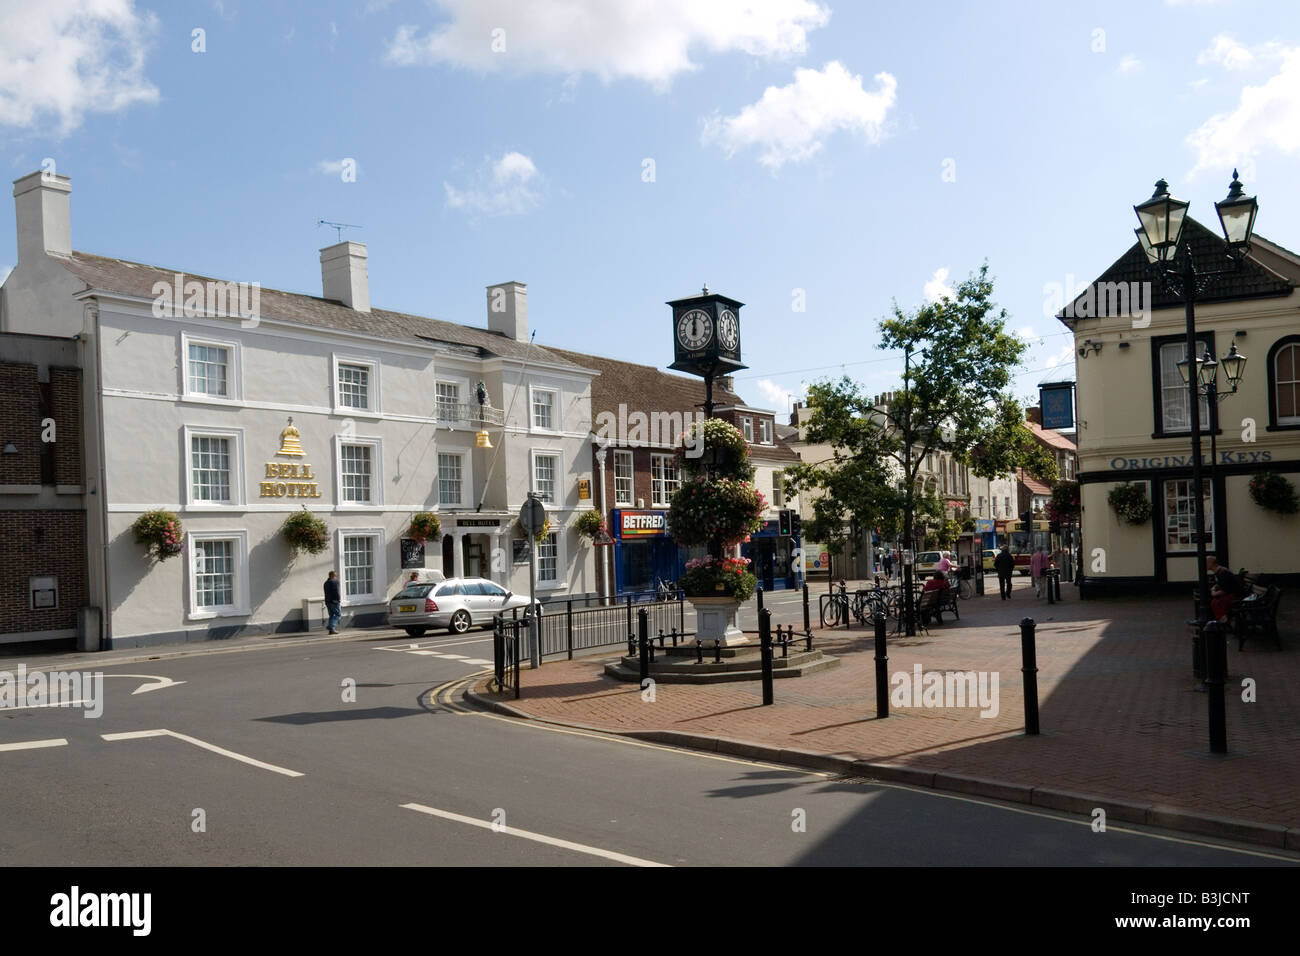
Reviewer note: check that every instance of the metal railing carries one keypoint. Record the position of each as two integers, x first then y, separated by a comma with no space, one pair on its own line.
564,628
467,413
506,645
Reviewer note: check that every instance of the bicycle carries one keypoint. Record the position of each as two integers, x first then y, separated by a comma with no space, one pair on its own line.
965,588
833,608
665,590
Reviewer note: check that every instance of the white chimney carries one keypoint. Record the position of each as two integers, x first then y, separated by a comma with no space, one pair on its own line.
508,310
343,274
41,207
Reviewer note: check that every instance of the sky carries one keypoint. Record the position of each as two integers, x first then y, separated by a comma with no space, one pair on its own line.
818,161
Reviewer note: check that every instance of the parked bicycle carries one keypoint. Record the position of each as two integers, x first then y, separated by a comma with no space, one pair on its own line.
665,590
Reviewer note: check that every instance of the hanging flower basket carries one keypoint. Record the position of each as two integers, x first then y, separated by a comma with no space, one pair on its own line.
1272,492
709,577
717,443
725,509
305,532
161,532
587,524
1064,505
424,525
1130,502
541,534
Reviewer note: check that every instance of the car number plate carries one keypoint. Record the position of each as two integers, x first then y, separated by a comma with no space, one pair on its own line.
404,608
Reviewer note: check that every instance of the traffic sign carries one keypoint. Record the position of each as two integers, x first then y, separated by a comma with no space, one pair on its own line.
532,516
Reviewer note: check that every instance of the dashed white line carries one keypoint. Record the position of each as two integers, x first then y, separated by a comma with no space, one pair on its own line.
35,744
139,734
535,837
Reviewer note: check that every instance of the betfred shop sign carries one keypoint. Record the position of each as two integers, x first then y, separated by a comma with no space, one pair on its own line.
640,524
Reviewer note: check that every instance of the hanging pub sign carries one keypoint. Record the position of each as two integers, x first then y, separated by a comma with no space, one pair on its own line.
412,554
1057,404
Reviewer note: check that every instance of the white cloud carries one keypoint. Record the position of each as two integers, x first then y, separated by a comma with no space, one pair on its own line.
938,288
1267,117
613,39
1063,355
504,187
789,123
66,58
778,399
1026,333
1231,55
1130,64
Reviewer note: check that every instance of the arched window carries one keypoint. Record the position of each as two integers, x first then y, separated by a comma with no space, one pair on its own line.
1284,383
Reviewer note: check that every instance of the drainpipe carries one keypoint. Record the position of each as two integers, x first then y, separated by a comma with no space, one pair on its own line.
604,516
106,616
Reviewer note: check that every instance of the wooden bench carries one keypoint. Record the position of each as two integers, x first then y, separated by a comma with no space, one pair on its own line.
1256,616
936,601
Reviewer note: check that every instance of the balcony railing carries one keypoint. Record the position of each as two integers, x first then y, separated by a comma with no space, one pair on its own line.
467,414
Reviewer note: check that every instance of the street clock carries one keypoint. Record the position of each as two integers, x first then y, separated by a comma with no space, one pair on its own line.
706,334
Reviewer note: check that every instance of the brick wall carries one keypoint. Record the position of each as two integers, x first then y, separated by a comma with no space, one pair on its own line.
20,423
65,409
41,543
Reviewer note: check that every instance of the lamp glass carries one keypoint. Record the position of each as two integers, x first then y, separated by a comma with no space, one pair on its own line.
1234,366
1151,253
1206,370
1183,369
1237,214
1162,218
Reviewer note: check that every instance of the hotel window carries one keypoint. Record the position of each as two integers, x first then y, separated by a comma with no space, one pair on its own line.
622,477
450,469
209,370
664,479
545,468
355,466
356,386
448,401
543,409
548,560
1180,519
747,427
1172,403
210,469
778,489
1284,384
218,573
358,566
765,431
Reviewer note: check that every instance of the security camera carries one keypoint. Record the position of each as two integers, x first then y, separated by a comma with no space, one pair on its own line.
1082,352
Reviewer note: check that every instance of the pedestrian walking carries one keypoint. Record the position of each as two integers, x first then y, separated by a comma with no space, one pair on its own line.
889,564
1037,565
1004,564
332,601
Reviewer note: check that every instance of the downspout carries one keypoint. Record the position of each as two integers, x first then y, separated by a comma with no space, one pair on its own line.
106,623
604,555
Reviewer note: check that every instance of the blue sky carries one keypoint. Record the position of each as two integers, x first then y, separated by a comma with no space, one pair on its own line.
839,155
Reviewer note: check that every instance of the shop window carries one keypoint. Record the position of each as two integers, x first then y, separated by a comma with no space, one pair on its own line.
1180,518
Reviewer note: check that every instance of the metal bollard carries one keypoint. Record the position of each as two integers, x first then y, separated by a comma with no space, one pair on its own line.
1056,579
661,638
673,635
717,652
699,651
643,641
1198,652
882,669
1047,576
759,591
1216,666
1029,668
807,621
785,643
765,652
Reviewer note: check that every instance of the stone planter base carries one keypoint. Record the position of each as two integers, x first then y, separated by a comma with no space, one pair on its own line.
716,620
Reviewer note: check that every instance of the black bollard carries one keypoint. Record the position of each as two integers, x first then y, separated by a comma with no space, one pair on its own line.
759,592
1047,581
1056,578
765,652
699,651
643,641
1029,668
673,635
1216,667
807,621
1198,653
882,665
785,642
661,638
717,652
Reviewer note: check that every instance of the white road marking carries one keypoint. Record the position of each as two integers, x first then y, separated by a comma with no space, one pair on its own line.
451,657
70,703
475,660
536,837
35,744
426,653
161,682
139,734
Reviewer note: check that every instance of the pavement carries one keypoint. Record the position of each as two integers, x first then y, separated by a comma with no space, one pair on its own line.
1123,728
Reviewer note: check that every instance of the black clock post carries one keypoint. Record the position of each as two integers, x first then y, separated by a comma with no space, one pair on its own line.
706,338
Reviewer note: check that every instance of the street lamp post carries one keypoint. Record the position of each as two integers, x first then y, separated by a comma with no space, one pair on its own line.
1162,218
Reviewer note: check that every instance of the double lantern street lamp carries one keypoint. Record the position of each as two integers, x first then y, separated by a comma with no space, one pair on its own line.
1162,218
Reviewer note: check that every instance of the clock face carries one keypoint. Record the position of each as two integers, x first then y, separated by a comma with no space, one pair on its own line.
728,330
694,329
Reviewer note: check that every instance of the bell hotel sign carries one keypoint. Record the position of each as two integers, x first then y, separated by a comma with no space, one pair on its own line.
302,483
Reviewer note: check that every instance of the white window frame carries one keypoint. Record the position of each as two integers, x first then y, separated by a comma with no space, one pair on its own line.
461,399
465,478
1276,382
656,483
778,488
380,577
237,490
560,583
765,431
1173,384
1207,488
556,424
747,427
560,496
240,607
234,371
373,408
376,473
631,478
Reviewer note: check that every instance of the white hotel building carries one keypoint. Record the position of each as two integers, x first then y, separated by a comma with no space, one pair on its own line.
190,413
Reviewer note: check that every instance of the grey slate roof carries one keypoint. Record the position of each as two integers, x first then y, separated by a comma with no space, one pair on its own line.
1209,253
137,279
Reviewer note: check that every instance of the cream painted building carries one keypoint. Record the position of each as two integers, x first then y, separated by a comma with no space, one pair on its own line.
1134,422
236,414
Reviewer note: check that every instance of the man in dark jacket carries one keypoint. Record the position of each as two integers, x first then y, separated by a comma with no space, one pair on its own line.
332,601
1004,564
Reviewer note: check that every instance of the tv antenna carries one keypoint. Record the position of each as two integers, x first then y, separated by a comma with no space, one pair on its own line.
337,226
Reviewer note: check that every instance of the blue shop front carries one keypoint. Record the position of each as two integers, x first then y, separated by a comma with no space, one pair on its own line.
645,553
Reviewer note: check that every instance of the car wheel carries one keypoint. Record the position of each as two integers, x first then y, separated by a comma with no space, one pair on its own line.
416,631
460,622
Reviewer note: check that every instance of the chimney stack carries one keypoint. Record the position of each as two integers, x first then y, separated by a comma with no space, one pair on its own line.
41,207
1034,414
344,275
508,310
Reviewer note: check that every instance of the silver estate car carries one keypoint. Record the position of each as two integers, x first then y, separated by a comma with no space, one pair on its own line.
456,604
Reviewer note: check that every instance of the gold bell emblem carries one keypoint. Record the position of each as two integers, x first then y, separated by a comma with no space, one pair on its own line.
481,440
289,444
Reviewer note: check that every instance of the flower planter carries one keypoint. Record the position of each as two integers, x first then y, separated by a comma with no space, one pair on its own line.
716,619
